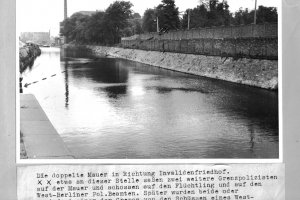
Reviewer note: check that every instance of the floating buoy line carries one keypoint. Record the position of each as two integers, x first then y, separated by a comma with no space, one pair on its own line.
45,78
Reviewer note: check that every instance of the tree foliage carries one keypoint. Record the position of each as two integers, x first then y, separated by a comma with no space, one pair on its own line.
149,20
209,13
198,17
118,20
168,15
102,27
263,15
135,25
74,26
216,13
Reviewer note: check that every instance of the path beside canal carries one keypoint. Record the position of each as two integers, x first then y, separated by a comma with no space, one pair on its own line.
40,139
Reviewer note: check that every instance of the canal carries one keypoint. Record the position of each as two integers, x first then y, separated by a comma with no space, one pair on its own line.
113,108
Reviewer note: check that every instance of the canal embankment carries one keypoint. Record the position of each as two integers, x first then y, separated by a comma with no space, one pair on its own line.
261,73
39,139
27,54
245,54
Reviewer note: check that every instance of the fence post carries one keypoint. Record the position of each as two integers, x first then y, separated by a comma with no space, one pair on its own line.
20,83
213,46
203,47
265,29
179,45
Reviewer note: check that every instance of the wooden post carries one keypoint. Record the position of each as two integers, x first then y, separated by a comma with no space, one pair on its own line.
20,83
157,25
188,19
255,12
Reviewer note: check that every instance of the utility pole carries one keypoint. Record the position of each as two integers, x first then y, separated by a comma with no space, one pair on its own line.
255,12
188,19
157,25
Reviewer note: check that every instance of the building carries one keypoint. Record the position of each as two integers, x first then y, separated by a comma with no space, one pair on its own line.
40,38
89,13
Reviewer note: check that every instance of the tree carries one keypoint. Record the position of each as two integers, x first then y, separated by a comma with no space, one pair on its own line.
74,27
219,13
95,26
103,27
243,17
116,19
198,17
149,21
135,25
168,15
136,16
209,13
264,15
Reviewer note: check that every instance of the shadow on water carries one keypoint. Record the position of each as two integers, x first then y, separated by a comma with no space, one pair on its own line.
66,84
175,98
254,104
161,89
104,70
115,91
258,105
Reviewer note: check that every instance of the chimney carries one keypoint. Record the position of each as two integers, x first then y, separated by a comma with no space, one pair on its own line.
65,10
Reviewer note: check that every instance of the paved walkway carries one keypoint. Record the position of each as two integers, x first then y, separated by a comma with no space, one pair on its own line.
41,140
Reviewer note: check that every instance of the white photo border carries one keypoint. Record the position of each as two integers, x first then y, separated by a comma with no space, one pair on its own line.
152,161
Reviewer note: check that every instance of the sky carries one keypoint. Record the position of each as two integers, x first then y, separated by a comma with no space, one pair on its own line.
45,15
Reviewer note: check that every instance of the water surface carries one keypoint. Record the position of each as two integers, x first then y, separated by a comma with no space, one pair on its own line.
115,108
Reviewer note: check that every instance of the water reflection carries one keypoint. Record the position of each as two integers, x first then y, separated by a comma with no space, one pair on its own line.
124,109
115,91
66,73
105,71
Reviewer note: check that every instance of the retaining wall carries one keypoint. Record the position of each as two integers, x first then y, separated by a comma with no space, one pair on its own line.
259,48
242,31
253,72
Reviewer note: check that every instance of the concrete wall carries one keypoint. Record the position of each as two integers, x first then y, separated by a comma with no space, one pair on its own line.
254,72
243,31
259,48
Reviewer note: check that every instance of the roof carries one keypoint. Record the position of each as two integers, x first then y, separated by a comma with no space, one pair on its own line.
89,13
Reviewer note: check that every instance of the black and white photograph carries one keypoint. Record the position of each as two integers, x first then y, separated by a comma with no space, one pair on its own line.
160,79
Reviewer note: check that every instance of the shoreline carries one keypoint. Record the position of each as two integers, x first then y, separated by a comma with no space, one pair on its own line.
252,72
38,137
27,55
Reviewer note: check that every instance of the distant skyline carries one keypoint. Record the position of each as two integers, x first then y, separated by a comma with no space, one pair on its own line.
45,15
